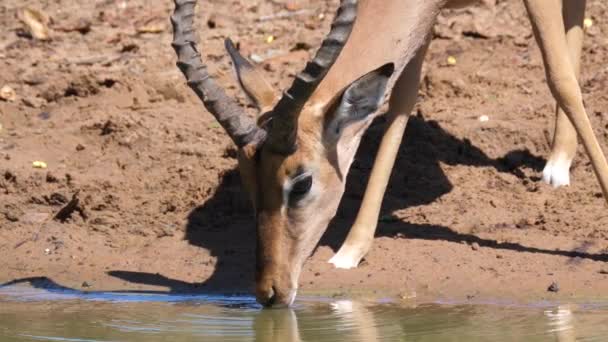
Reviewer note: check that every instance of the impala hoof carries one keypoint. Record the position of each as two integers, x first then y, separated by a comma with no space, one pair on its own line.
557,172
345,260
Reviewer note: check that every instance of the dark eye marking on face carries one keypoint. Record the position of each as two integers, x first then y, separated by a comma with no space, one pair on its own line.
300,187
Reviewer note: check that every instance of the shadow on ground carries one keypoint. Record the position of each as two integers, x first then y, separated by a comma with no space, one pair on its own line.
224,225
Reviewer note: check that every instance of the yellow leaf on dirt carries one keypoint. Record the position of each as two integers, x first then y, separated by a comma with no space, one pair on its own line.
39,164
37,23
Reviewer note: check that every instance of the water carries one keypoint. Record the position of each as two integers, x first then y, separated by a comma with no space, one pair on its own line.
28,314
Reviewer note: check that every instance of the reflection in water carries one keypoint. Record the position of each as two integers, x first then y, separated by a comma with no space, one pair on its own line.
276,326
561,323
360,316
69,316
282,325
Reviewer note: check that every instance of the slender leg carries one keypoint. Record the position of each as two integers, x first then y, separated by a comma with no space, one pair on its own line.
546,18
563,149
361,235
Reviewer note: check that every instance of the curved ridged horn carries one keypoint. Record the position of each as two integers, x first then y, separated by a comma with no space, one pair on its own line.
283,132
241,128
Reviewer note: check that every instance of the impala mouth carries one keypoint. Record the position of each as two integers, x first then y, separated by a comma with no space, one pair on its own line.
267,299
275,300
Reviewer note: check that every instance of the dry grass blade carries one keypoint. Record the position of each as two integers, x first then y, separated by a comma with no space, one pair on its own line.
37,23
153,25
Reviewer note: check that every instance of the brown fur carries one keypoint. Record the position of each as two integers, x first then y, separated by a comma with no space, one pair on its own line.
287,235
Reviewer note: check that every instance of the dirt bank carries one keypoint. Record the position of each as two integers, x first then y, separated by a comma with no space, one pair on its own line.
160,205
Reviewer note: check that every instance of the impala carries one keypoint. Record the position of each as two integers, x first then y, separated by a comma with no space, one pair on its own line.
294,158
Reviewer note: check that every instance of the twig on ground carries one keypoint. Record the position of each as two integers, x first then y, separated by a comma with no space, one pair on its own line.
91,60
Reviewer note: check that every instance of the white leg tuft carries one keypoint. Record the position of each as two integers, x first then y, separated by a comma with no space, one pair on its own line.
557,171
347,257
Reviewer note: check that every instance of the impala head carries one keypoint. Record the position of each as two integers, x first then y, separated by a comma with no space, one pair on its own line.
294,158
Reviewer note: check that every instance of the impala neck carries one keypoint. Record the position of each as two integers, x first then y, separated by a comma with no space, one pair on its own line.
385,31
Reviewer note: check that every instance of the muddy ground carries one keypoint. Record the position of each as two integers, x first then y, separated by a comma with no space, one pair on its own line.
160,205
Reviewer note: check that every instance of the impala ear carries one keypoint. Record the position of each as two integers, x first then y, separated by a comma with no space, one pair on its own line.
251,80
359,100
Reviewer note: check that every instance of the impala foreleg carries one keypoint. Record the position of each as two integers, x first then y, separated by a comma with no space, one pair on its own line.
361,235
563,148
546,18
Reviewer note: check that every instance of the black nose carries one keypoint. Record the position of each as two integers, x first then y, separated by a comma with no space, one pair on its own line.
267,298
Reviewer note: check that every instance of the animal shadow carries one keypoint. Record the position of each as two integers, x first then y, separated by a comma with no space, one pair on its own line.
224,224
417,177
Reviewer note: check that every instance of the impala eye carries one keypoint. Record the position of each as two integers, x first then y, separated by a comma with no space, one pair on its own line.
300,187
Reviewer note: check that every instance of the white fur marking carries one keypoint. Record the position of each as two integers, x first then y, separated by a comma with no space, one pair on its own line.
292,296
557,171
346,258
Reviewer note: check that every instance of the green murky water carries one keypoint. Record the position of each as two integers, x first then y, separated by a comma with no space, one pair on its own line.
28,314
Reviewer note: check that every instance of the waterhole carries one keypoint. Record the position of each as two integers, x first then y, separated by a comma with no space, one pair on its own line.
29,314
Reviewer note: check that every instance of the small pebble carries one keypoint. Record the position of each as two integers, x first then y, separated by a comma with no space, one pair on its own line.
47,251
484,118
51,178
34,102
8,94
554,287
11,217
85,284
587,23
475,246
256,58
270,39
451,60
44,115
